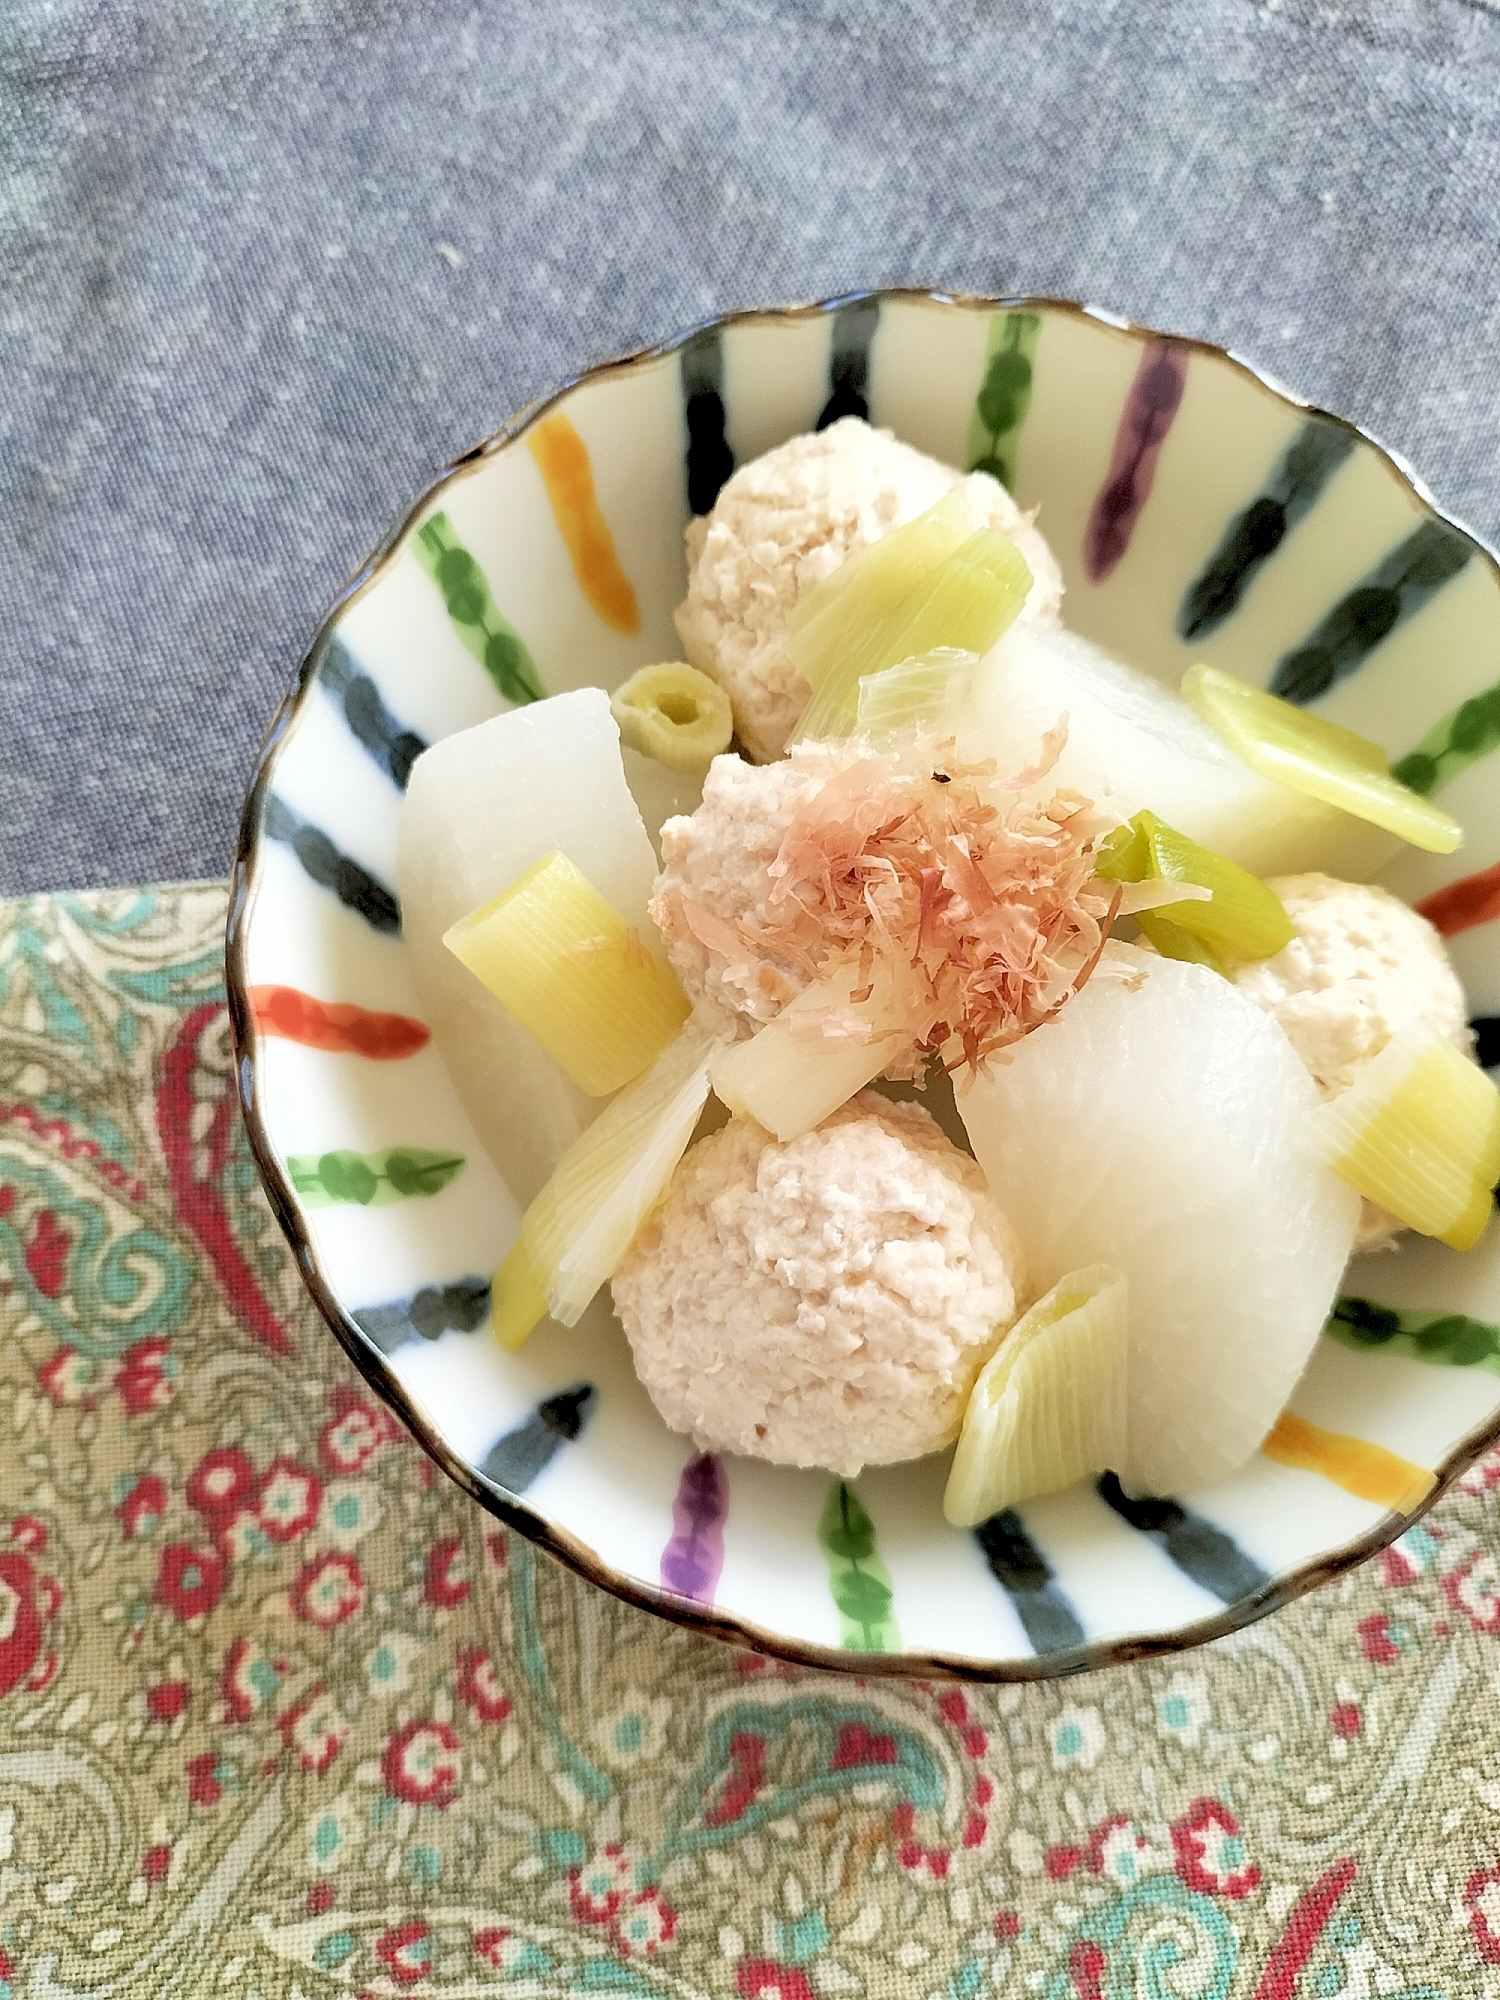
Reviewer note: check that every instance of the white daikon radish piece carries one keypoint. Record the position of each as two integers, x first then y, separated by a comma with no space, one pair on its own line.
1161,1129
482,807
1133,743
660,793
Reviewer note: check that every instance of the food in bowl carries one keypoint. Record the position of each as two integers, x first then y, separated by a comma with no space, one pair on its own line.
787,521
973,860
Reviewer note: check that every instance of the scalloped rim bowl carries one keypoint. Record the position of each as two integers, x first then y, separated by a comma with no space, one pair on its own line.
1184,494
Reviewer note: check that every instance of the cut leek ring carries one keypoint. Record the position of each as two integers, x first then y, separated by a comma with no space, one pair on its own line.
1241,919
579,1227
1049,1406
674,714
564,962
1418,1133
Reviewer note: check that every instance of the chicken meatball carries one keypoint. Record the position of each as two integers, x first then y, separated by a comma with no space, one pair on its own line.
826,1302
1362,965
786,521
716,865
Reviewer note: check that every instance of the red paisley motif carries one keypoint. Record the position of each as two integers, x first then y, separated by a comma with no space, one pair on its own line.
142,1507
190,1581
198,1200
20,1620
422,1764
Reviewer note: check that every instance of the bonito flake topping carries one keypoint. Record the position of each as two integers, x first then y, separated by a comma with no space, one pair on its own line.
969,912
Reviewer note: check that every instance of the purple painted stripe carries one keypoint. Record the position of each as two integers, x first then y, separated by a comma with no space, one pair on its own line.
692,1560
1145,420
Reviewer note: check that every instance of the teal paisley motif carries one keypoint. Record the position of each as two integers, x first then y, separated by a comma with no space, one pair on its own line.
608,1975
120,1289
532,1657
966,1981
94,920
796,1750
1160,1941
24,945
185,985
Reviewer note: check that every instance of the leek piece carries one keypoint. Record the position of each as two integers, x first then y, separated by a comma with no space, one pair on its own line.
575,1233
1049,1406
569,968
922,693
1283,742
1471,1225
878,576
863,617
518,1297
965,603
1418,1132
1241,919
675,714
1175,941
792,1073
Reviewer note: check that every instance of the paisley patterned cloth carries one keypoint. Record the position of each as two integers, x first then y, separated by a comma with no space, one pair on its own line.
282,1713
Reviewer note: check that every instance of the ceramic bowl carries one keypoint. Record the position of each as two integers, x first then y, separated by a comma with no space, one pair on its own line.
1199,511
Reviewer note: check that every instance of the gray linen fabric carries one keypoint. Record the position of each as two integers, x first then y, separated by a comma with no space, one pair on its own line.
265,268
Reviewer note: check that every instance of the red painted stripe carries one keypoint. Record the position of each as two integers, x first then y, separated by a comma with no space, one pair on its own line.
1474,899
1144,422
1294,1947
336,1025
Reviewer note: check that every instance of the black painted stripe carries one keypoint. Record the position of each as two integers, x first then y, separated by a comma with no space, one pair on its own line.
1314,455
854,327
394,749
1021,1570
515,1461
354,886
437,1309
1400,585
709,459
1213,1560
1486,1039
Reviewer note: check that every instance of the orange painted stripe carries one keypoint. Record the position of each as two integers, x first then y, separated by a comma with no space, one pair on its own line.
336,1025
563,460
1367,1470
1474,899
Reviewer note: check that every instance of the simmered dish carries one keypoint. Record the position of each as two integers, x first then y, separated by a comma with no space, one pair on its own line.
1008,1052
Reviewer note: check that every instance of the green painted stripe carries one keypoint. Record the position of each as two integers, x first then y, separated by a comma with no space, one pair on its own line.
1447,1340
371,1179
858,1579
1470,732
1004,395
492,639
